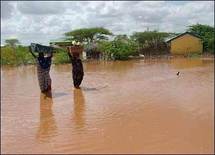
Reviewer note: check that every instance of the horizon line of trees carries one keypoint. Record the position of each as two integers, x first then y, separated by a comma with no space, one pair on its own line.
96,40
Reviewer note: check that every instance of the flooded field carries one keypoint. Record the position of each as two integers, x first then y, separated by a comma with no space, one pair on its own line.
123,107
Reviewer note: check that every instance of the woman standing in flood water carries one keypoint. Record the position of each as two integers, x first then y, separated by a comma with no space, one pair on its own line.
77,69
74,51
43,69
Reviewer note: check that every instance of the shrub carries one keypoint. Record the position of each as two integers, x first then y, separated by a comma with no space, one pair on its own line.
24,56
117,49
16,55
8,56
60,57
206,33
194,55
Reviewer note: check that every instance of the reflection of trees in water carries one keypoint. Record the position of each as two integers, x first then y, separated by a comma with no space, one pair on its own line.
79,108
116,67
186,63
47,127
14,76
62,68
209,61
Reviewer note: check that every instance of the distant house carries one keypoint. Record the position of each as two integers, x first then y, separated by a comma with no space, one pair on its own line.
185,43
60,42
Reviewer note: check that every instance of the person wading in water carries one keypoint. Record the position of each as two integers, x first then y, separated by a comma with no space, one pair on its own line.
77,69
77,66
43,69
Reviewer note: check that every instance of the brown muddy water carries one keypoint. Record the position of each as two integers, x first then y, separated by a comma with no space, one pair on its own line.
123,107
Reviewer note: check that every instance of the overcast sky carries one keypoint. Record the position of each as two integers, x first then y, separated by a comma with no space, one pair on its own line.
39,21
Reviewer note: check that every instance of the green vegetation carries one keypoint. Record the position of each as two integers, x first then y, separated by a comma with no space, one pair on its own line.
193,55
151,42
88,35
21,56
206,33
120,48
12,42
149,38
61,57
117,49
16,56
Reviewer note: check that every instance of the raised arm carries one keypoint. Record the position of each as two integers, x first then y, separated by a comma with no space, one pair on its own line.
32,52
70,56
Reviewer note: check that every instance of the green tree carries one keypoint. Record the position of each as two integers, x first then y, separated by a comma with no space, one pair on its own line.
88,35
122,37
149,38
206,32
12,42
151,42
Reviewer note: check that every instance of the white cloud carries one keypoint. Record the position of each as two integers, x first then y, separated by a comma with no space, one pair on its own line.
40,8
35,21
6,9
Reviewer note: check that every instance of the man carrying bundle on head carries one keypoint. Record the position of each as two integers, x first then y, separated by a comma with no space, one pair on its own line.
43,61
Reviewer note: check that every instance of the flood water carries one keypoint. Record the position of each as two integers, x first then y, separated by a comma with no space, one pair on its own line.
136,106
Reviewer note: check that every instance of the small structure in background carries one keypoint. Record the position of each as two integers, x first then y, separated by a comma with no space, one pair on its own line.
92,52
67,43
185,43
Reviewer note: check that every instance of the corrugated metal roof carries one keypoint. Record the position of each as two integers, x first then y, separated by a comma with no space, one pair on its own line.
195,35
169,38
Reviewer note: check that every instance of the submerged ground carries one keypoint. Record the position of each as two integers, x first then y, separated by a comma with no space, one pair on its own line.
123,107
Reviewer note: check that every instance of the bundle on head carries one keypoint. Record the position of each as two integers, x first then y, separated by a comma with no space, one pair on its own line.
75,49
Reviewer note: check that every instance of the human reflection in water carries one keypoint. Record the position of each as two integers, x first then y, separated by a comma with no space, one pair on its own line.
79,108
47,127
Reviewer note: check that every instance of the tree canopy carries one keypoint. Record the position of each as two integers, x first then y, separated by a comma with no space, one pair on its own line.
149,37
202,30
12,42
88,34
122,37
206,32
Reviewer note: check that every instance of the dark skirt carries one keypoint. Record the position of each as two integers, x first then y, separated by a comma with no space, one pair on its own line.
44,78
77,78
77,72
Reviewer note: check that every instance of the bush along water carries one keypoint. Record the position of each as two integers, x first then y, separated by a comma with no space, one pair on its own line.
20,55
16,55
117,49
